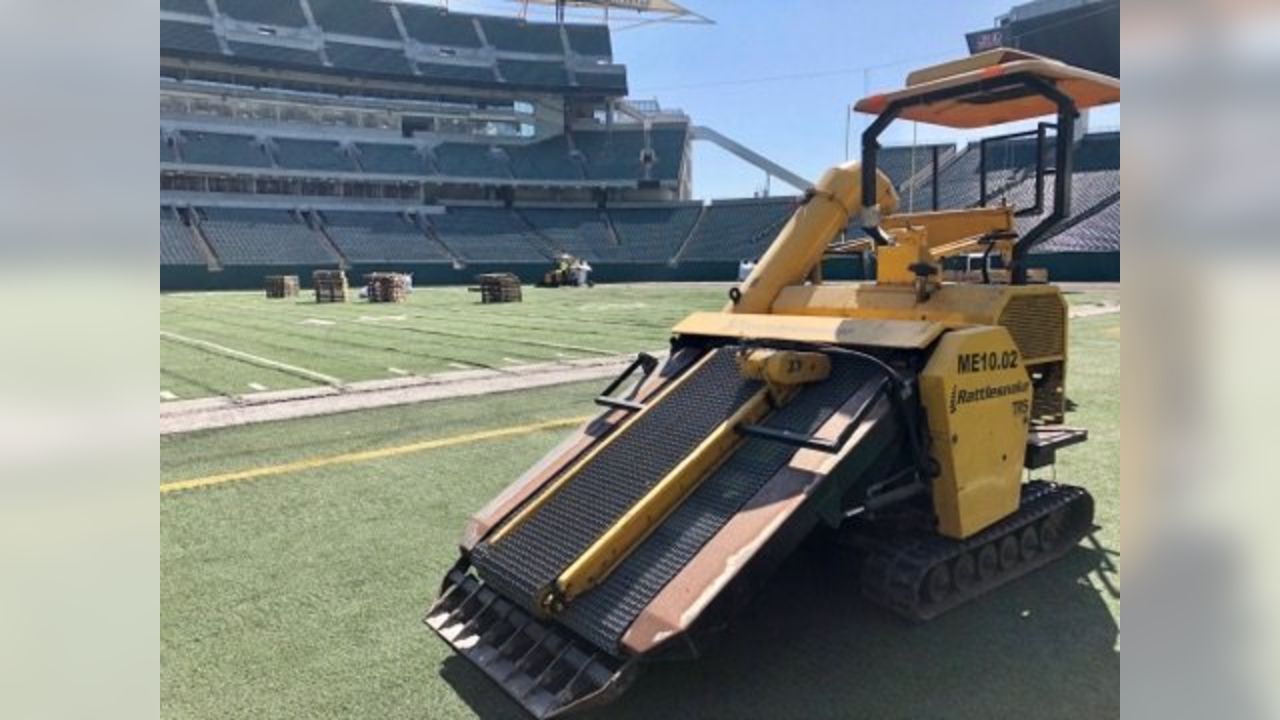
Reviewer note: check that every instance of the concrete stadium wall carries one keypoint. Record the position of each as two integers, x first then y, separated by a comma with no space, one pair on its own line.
1066,267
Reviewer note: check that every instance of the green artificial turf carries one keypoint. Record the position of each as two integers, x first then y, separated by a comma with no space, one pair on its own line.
437,330
301,595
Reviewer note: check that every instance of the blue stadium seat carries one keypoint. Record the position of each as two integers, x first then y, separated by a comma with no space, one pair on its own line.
296,154
611,155
653,234
520,36
355,17
611,82
439,27
190,7
487,235
251,236
211,148
448,72
469,160
368,59
534,74
390,159
177,246
379,238
589,40
738,230
1097,233
545,160
275,54
166,151
269,12
581,232
669,146
188,38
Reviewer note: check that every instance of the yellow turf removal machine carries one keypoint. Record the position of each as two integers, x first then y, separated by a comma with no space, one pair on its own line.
901,414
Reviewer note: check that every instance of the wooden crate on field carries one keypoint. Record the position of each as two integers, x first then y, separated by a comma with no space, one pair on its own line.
281,286
329,285
386,287
498,288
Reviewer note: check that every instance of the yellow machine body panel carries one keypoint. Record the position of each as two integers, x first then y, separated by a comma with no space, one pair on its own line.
876,332
977,397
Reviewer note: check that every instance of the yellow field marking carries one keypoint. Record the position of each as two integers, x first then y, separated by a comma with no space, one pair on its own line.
366,455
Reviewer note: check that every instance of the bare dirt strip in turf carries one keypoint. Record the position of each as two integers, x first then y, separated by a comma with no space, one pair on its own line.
217,412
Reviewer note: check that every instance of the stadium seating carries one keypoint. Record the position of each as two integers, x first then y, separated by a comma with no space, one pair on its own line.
669,146
368,59
589,40
263,52
518,36
439,27
613,83
189,37
582,233
611,155
210,148
390,159
529,72
548,159
1097,233
177,246
251,236
456,73
901,163
355,17
191,7
295,154
166,151
487,235
738,230
653,234
269,12
470,160
379,238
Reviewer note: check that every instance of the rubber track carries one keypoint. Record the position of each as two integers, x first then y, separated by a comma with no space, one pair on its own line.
603,615
896,567
538,550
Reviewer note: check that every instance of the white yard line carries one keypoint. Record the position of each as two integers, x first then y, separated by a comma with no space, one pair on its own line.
460,366
257,386
252,359
398,371
166,395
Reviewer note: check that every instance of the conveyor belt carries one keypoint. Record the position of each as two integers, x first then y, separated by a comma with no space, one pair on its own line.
536,551
602,615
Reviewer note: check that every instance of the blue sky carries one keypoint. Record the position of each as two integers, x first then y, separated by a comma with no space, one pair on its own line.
778,75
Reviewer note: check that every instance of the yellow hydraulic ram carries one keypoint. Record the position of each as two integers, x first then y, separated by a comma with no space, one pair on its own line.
782,372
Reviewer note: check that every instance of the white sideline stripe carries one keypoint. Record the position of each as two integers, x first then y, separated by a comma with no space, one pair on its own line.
459,366
166,395
257,386
316,321
253,359
513,361
397,371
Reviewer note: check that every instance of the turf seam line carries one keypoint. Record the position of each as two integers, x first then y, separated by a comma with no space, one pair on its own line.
366,455
252,359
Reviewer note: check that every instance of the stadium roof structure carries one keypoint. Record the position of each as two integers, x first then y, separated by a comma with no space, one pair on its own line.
664,10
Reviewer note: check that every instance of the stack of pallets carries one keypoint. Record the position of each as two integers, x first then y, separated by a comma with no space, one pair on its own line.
498,288
330,285
387,287
281,286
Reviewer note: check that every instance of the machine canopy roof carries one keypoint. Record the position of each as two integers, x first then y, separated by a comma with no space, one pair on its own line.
990,103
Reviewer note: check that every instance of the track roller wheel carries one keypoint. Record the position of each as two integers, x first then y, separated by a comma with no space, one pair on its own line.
965,572
1028,544
938,583
1051,529
1009,553
988,562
